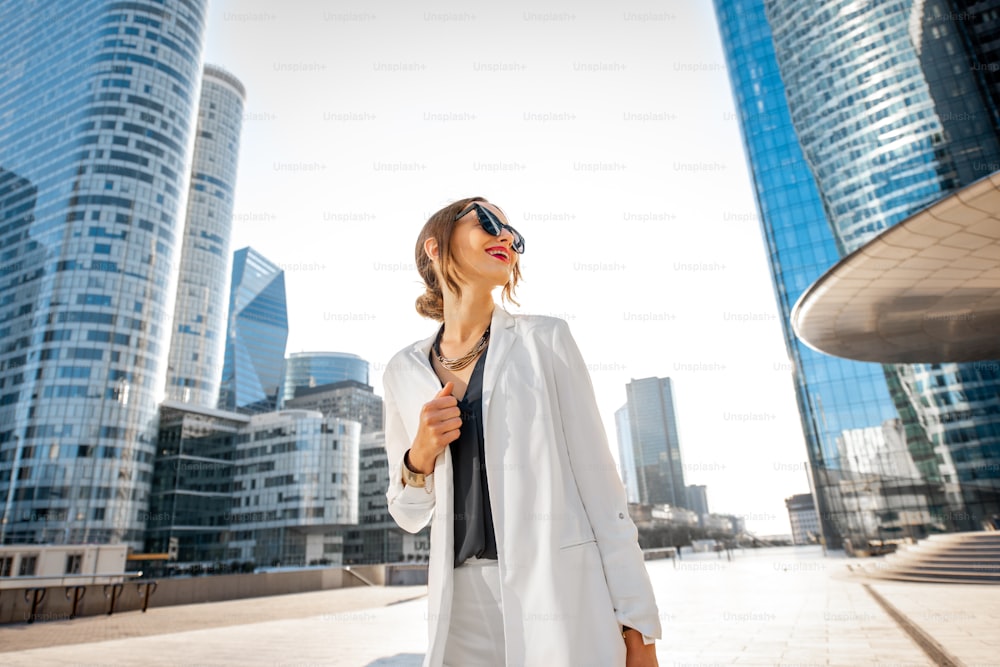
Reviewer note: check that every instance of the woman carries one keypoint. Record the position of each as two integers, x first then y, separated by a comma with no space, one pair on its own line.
494,437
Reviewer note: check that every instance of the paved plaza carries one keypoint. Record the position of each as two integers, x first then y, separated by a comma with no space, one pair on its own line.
788,606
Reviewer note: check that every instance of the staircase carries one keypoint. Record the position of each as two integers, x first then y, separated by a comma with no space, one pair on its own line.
951,558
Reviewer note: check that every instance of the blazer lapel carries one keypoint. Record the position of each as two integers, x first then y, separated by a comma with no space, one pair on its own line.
419,356
501,338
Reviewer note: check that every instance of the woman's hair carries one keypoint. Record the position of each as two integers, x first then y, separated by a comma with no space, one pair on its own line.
440,226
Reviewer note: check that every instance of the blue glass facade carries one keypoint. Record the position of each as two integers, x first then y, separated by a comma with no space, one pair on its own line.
626,455
656,451
98,108
198,339
304,370
858,150
256,335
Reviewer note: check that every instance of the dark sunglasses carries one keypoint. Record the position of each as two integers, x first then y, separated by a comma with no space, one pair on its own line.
492,224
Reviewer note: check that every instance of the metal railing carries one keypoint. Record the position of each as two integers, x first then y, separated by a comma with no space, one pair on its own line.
75,592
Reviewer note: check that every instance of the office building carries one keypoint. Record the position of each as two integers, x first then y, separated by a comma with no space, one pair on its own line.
626,457
199,329
295,486
655,446
376,538
307,370
803,519
268,488
347,399
99,107
697,497
192,496
256,335
843,140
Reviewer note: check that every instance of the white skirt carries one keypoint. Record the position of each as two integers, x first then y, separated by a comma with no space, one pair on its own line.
475,635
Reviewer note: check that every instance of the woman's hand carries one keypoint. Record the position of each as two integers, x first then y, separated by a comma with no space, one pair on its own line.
638,654
440,421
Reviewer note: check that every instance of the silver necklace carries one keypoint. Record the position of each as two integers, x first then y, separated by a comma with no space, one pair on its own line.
458,363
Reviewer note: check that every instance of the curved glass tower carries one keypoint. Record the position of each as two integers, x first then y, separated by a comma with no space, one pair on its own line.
848,113
96,124
256,335
199,329
312,369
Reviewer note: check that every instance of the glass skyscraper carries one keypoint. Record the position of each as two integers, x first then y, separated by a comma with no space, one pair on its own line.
656,451
256,335
198,335
97,112
853,117
304,370
626,456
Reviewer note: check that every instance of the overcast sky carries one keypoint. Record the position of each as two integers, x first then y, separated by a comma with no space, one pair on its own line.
606,134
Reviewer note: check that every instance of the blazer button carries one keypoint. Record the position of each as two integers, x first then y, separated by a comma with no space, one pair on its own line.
621,515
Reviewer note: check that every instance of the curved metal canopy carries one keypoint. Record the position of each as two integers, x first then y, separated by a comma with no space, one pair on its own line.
926,290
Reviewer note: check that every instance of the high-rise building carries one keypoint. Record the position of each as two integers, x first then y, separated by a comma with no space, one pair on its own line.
656,448
626,455
306,370
842,141
98,109
802,517
697,497
256,335
198,334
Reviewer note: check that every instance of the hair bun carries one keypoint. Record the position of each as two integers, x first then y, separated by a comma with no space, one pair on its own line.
431,304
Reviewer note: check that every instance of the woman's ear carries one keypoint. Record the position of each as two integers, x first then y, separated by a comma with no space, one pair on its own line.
431,248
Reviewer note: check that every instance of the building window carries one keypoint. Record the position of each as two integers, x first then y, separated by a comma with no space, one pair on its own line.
74,563
6,565
28,565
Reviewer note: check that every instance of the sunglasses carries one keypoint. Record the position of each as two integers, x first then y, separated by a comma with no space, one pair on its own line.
492,224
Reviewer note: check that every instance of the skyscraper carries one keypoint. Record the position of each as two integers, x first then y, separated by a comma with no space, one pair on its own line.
697,497
256,335
626,455
198,334
97,112
845,138
656,448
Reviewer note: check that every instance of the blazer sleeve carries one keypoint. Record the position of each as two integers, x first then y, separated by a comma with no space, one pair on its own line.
411,507
601,489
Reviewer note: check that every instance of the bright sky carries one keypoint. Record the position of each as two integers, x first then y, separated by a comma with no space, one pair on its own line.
606,134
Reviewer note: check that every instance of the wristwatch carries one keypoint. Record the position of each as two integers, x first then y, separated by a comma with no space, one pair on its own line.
412,478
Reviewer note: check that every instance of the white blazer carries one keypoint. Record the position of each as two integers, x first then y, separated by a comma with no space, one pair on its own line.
571,569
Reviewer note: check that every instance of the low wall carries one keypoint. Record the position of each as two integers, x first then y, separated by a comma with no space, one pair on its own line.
57,604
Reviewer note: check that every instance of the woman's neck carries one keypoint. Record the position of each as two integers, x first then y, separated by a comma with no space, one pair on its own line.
466,320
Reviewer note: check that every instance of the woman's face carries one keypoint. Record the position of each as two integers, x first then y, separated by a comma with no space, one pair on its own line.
478,255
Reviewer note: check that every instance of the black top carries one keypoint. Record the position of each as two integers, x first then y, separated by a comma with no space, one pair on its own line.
474,534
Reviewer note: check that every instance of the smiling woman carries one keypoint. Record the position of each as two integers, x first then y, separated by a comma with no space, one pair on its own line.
534,558
440,227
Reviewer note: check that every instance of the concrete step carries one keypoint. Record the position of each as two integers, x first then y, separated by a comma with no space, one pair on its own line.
954,558
980,537
934,579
